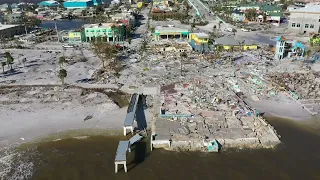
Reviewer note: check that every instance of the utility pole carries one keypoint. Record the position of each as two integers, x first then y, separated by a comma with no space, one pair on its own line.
55,26
25,29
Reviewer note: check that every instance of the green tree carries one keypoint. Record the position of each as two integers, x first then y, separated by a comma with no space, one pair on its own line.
62,75
84,12
308,53
3,64
9,59
264,17
129,40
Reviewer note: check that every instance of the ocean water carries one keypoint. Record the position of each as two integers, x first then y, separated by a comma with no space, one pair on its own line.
297,157
64,24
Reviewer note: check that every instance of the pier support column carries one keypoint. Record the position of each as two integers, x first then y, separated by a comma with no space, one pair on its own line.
116,168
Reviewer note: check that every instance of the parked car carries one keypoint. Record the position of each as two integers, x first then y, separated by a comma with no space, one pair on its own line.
244,30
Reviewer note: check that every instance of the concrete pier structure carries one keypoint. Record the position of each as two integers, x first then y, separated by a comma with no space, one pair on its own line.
129,120
121,156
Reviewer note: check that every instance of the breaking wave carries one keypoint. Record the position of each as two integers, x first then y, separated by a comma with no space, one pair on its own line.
15,165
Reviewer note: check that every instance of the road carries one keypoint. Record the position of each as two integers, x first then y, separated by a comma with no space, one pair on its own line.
203,9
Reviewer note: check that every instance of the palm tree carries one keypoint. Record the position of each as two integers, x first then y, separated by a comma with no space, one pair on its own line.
308,53
183,55
113,33
234,31
24,60
3,64
219,49
9,59
62,75
214,28
62,60
220,22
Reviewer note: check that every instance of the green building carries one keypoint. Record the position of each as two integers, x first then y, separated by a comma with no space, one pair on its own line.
109,32
76,36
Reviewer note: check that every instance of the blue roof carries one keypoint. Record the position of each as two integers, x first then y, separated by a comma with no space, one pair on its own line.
298,45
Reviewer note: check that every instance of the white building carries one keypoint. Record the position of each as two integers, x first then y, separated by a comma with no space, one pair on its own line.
305,20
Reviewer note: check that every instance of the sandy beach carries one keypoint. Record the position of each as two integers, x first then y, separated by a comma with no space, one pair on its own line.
28,114
285,108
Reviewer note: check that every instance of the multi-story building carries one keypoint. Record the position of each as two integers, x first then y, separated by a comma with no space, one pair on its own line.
286,48
305,20
238,16
199,42
110,32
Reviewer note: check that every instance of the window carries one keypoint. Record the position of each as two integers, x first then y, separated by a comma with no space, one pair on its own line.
293,24
306,26
311,26
298,24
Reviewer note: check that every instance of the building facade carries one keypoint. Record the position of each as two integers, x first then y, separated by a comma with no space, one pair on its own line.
238,16
80,4
285,48
229,43
76,37
170,32
305,20
199,42
110,32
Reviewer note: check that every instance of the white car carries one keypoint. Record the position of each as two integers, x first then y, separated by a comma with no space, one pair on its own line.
228,29
244,30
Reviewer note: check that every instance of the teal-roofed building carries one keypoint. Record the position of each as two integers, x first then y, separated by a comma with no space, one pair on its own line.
49,4
170,32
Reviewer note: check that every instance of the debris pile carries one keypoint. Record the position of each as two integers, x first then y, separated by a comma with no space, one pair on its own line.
306,85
